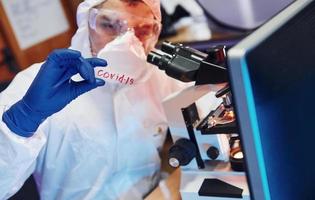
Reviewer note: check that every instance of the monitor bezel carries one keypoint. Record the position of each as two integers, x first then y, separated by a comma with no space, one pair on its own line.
243,99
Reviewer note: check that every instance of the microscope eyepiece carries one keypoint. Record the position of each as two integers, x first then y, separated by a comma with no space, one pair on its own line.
168,47
154,58
186,64
160,60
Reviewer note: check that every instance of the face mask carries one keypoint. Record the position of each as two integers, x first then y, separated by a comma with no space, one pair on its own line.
126,60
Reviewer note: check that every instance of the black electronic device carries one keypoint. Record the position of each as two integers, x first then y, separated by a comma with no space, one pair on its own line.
272,75
186,64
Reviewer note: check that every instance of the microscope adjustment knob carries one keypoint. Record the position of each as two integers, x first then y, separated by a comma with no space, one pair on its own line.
174,162
213,152
182,152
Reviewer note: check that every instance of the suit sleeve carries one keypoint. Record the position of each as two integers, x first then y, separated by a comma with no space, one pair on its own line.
17,154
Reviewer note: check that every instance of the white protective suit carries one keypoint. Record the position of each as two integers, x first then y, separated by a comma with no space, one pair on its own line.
103,145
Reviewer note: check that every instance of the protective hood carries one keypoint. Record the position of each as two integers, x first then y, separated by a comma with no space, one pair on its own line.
80,41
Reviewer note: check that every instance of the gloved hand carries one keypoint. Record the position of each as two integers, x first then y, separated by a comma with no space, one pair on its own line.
52,89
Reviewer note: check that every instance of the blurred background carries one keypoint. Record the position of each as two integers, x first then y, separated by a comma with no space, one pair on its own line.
30,29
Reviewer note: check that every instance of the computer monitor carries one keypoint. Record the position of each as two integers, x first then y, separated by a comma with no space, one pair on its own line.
272,74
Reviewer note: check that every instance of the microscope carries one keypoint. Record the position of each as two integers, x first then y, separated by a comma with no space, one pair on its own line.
202,123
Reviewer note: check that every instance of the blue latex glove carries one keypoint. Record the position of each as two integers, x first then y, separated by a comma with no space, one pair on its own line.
52,89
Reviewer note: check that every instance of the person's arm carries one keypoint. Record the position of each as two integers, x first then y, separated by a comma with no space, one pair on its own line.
28,101
17,154
52,89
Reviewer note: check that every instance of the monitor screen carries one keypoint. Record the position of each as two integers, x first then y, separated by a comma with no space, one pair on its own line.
273,83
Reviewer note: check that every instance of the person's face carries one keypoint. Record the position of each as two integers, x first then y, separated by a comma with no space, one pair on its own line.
136,15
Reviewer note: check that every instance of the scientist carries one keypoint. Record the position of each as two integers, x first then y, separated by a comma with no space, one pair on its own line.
81,143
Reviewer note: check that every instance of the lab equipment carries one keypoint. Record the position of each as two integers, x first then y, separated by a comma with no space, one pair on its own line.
202,122
187,64
272,76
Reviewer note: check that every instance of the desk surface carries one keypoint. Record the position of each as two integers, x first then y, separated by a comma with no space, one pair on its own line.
169,189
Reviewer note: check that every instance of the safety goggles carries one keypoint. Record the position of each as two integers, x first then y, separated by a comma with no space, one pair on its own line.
109,23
